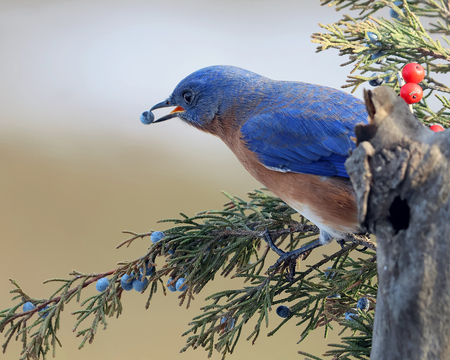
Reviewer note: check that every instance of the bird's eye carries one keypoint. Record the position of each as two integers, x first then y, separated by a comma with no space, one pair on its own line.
188,96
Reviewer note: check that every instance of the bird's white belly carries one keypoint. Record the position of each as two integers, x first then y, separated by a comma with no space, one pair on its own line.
317,220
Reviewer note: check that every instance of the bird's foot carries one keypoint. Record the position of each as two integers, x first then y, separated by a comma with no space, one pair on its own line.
290,257
341,242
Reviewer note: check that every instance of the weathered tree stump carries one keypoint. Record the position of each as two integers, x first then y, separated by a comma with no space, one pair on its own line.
401,176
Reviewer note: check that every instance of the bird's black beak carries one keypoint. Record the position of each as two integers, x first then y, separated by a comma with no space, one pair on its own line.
171,115
147,117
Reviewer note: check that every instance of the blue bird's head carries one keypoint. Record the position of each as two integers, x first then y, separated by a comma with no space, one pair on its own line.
204,95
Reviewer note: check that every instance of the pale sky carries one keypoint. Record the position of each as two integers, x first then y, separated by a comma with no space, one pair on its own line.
80,68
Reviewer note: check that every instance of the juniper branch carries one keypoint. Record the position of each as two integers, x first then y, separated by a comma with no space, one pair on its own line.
197,248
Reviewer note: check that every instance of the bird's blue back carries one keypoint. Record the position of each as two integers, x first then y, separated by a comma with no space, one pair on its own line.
303,128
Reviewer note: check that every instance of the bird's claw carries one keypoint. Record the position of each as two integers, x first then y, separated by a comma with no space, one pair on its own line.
341,242
290,257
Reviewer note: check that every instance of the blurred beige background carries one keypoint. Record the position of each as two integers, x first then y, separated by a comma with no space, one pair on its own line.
78,167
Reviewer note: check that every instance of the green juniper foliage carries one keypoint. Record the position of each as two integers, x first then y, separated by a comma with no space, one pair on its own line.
222,242
199,248
400,41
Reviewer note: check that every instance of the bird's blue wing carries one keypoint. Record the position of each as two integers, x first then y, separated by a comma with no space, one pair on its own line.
312,139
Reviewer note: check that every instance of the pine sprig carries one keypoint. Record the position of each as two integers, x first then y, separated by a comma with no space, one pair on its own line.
358,345
366,8
400,41
308,293
198,248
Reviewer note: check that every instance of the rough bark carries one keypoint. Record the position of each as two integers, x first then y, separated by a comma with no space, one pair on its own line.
400,172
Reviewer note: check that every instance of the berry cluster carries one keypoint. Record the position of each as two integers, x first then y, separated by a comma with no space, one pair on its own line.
394,13
413,74
136,282
363,304
374,39
139,281
178,286
43,313
132,281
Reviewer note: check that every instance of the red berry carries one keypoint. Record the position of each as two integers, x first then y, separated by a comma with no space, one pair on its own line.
411,93
437,127
413,72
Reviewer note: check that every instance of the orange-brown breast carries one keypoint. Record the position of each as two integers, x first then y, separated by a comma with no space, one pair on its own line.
329,202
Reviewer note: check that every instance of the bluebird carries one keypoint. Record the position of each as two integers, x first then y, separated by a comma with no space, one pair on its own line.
293,137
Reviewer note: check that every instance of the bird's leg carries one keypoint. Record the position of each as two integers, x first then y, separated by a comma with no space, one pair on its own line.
290,257
268,238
